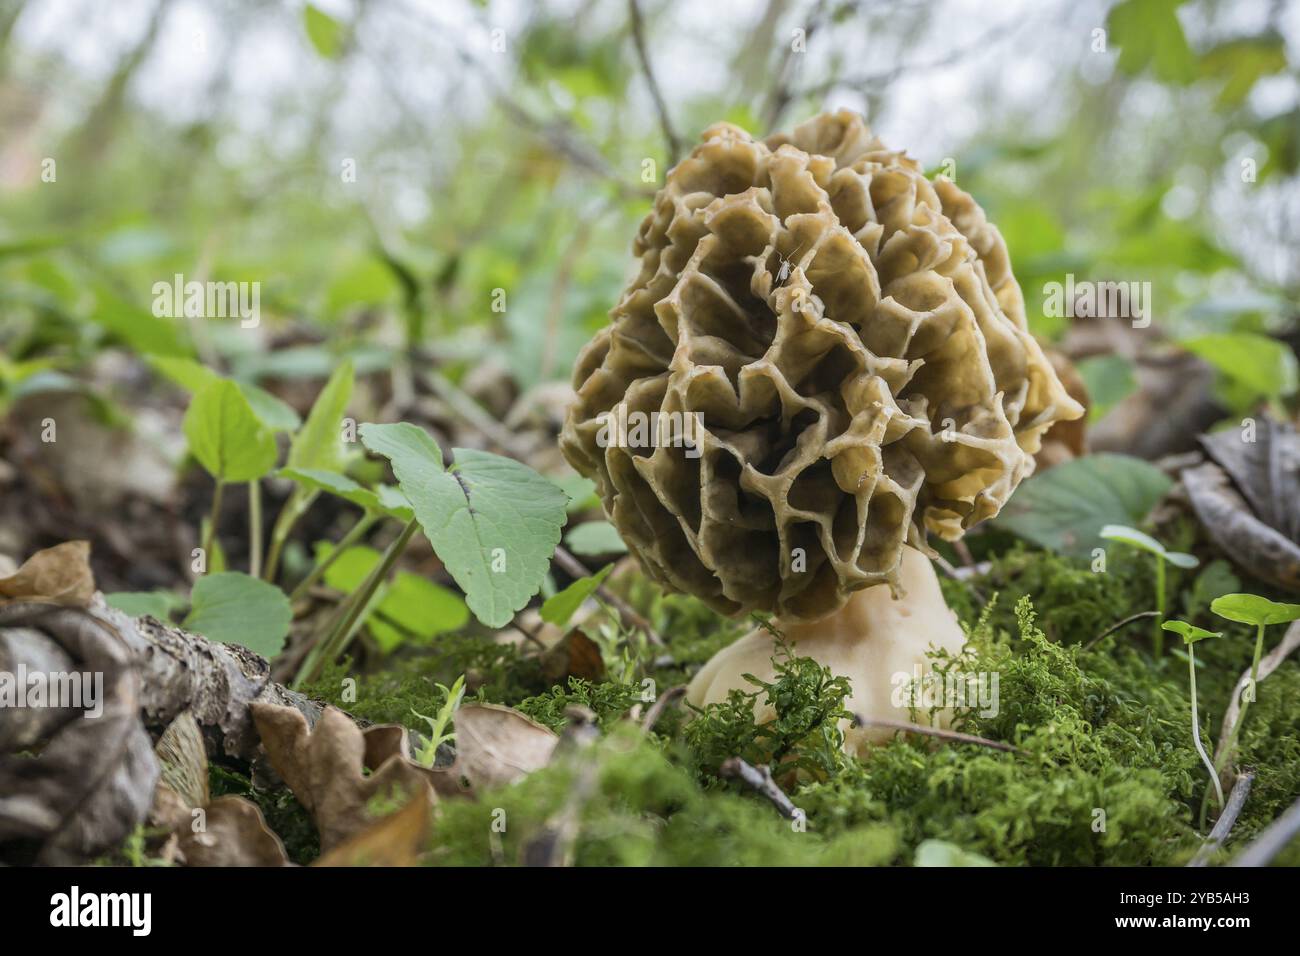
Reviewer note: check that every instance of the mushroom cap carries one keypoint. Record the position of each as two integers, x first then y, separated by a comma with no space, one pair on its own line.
839,357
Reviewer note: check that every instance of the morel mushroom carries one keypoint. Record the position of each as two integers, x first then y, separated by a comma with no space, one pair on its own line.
823,356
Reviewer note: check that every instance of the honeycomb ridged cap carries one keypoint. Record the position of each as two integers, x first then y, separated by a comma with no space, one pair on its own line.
839,355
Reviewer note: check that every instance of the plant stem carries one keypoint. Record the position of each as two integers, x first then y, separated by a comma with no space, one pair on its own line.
1196,727
211,534
352,613
355,533
255,528
1158,634
1253,688
297,503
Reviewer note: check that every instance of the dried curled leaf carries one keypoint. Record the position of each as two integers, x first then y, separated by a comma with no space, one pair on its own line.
228,831
851,342
57,575
396,840
498,745
90,781
324,767
234,833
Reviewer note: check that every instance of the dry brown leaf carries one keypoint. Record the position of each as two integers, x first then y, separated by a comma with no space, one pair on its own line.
497,745
324,769
576,655
57,575
396,840
1261,550
228,831
234,833
91,779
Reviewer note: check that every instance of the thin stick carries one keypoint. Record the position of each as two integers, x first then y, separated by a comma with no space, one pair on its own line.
669,697
255,528
1222,826
1272,841
953,735
759,779
1117,625
665,122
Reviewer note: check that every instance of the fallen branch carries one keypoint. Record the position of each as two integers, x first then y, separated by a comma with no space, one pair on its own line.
1274,838
1222,826
759,779
953,735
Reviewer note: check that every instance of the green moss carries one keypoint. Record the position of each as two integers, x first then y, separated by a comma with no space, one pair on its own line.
1105,774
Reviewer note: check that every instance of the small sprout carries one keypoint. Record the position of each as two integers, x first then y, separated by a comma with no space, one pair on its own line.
1190,634
428,752
1261,612
1144,542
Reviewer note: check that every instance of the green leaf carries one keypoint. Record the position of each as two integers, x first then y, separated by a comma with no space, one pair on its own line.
1144,542
419,607
943,853
138,327
1261,365
559,608
226,437
1190,633
1253,609
234,608
157,604
1242,62
325,33
194,377
409,606
1109,380
1065,508
386,500
595,538
320,443
1151,37
494,522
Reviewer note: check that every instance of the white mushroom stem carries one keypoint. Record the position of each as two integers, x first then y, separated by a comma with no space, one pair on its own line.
880,643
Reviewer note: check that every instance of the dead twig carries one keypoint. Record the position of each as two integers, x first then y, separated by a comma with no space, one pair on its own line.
1117,625
577,569
1274,838
1267,665
661,107
1222,826
954,735
781,95
665,700
760,780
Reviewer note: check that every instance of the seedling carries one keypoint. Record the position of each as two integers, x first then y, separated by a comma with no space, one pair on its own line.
428,752
1190,634
1144,542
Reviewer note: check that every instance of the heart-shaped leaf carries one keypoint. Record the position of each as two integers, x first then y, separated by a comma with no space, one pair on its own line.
493,521
234,608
